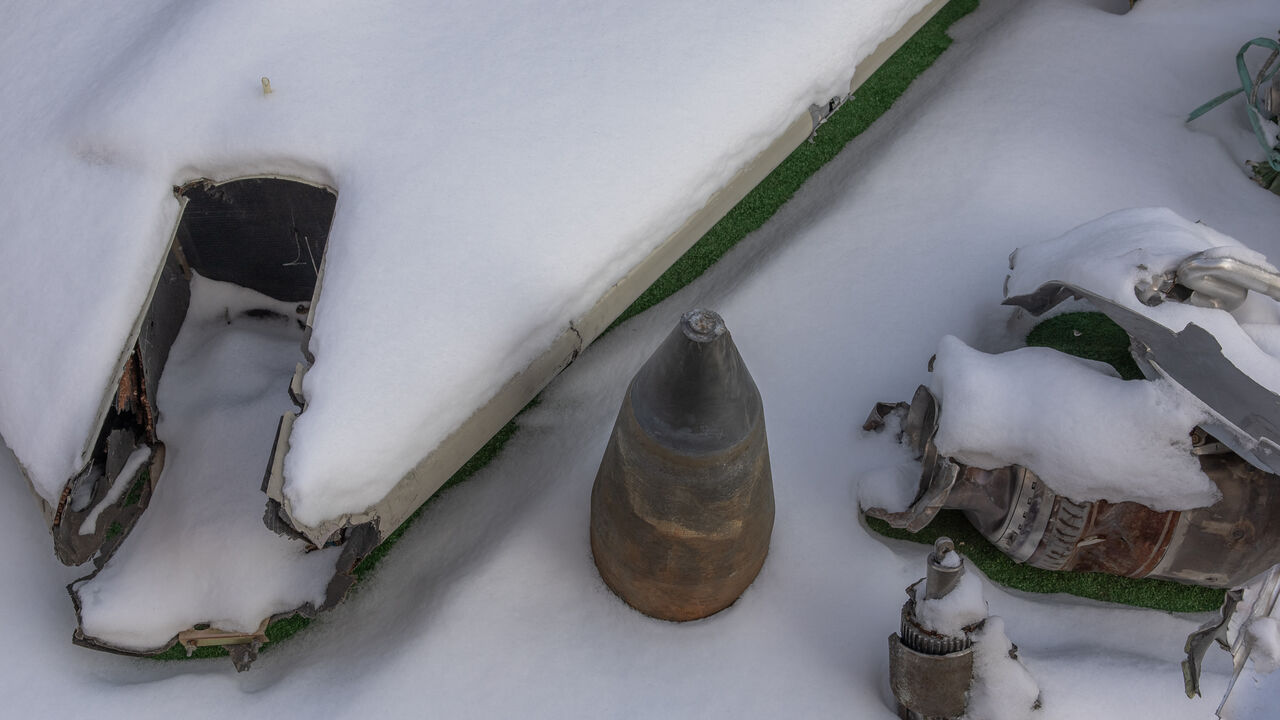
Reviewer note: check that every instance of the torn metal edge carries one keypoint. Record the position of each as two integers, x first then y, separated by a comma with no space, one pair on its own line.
54,513
357,542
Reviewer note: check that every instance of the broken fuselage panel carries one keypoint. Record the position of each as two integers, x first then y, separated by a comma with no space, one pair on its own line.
268,234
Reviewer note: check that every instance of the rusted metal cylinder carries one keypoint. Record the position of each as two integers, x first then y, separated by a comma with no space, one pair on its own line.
682,506
930,673
1223,545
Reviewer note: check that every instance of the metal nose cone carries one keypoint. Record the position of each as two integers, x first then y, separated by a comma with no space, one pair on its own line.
682,506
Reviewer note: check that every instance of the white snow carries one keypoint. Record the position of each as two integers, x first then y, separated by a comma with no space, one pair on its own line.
1044,114
1266,336
957,611
200,553
498,166
1002,688
1088,435
891,488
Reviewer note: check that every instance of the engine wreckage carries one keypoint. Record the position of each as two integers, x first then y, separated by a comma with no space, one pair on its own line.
1182,293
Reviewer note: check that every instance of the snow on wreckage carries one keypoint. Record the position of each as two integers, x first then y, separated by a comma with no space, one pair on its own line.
1064,466
264,235
91,514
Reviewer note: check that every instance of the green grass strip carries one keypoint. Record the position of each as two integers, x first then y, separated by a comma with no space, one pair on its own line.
1145,592
1094,336
870,101
1089,335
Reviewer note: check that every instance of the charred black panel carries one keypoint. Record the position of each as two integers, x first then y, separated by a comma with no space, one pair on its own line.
161,324
265,234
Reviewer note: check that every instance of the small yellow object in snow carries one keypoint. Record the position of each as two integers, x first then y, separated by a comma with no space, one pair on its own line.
266,85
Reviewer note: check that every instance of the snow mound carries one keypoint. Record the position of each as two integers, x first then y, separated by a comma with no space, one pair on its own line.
1087,435
956,611
1002,688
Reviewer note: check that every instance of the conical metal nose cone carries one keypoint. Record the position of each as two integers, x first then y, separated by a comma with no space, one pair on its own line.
682,506
694,393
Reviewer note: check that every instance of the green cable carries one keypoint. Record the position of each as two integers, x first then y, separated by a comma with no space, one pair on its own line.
1248,87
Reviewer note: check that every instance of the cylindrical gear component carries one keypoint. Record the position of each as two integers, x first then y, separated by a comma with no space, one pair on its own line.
682,506
929,672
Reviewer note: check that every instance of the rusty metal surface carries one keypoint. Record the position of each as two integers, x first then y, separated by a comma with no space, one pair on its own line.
682,507
932,686
1235,539
930,643
1223,545
1121,539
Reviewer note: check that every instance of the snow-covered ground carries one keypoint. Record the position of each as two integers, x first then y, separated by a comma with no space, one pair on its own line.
1044,115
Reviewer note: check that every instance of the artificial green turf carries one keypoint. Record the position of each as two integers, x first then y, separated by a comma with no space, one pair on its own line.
875,96
1090,335
1094,336
1146,592
134,496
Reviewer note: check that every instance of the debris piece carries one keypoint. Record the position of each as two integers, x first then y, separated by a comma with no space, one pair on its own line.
682,506
950,660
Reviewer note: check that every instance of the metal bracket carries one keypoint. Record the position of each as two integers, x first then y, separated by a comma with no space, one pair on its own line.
821,113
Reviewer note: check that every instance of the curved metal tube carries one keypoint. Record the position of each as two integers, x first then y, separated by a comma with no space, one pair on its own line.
1224,282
